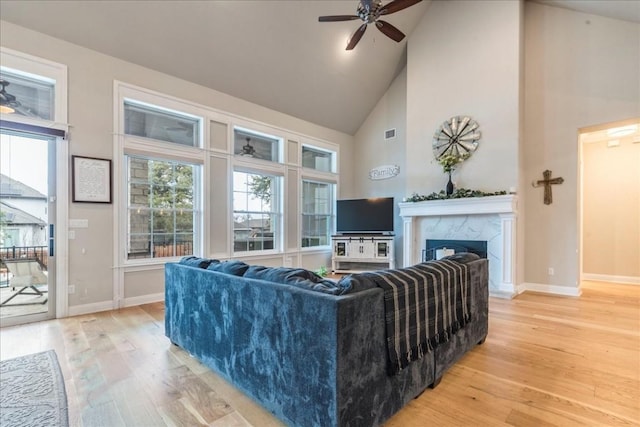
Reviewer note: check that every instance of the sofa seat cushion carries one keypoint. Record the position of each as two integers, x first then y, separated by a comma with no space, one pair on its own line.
298,277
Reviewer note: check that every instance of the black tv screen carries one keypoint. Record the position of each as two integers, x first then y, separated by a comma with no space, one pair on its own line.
365,215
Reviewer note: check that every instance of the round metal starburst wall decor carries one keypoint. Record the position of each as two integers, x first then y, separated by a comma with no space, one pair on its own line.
458,136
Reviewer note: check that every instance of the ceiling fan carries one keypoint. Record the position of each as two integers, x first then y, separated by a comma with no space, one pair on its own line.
248,150
370,12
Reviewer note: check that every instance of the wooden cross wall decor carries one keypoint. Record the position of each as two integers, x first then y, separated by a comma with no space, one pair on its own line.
547,182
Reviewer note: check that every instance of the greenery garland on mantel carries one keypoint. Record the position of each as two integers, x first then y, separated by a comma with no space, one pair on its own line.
458,193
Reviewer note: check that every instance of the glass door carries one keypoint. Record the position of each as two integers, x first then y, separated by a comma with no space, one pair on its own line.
27,227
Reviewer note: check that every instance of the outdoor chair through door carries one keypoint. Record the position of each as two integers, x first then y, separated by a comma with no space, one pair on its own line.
27,276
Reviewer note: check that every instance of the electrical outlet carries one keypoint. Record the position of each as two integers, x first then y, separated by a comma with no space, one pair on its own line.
72,289
551,271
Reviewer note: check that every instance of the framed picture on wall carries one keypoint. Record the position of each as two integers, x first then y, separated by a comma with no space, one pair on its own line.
90,179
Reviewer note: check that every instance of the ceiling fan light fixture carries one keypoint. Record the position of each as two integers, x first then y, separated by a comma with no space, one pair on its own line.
5,109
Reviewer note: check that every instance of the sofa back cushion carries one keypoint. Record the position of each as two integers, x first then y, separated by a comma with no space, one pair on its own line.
236,268
298,277
195,261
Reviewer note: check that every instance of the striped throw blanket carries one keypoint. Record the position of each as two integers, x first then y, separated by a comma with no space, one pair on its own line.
424,305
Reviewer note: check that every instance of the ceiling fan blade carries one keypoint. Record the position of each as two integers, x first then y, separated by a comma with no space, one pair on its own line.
355,37
389,30
337,18
397,5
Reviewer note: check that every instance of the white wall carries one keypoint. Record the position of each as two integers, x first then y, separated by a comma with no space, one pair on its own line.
463,59
90,91
372,150
581,70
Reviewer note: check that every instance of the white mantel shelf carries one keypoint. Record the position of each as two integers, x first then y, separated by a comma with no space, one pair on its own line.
502,244
464,206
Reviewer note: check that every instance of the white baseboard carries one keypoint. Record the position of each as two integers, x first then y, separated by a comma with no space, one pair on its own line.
550,289
78,310
143,299
625,280
95,307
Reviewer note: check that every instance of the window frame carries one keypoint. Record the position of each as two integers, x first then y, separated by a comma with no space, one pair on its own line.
138,146
277,203
196,213
333,188
315,148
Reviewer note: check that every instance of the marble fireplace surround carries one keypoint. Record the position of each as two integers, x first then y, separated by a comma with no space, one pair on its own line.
491,218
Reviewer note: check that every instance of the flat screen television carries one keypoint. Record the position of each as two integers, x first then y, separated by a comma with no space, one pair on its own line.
364,215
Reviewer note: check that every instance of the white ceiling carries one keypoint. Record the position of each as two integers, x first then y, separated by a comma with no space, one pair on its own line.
272,53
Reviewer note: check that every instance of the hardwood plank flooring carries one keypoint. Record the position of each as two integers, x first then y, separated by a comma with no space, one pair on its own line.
548,361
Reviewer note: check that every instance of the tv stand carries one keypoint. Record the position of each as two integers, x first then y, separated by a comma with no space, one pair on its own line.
362,252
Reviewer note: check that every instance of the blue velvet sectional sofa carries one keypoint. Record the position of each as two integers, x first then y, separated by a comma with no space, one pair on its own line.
313,352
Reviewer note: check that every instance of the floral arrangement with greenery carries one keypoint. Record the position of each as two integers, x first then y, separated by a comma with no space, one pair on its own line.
449,161
458,193
322,271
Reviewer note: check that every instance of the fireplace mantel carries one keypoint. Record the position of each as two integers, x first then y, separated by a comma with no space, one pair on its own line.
499,212
464,206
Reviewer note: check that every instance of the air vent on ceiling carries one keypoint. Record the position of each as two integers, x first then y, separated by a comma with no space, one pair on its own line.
390,133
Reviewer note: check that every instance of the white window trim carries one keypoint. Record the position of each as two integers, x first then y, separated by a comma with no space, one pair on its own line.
197,202
333,211
278,248
146,147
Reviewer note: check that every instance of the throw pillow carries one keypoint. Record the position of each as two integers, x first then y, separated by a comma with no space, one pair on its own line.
356,282
463,257
280,274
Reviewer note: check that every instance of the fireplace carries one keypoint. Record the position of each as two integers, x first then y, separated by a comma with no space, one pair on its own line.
437,248
491,219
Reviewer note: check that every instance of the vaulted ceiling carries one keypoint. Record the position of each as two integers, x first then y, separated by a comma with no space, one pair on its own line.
272,53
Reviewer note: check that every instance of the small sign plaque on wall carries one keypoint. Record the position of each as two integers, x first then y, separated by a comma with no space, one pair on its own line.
384,172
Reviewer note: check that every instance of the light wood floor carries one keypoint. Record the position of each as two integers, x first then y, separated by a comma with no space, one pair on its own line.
547,361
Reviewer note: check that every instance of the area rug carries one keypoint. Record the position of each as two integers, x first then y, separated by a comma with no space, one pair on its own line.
32,391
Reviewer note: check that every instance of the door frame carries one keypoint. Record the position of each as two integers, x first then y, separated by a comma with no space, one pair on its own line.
17,61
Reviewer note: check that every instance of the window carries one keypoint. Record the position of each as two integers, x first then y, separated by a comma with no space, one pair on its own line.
252,145
162,214
256,213
161,124
317,213
27,96
320,160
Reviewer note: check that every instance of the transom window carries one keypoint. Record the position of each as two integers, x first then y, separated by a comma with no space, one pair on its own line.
28,96
253,145
317,213
256,211
315,158
162,214
161,124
